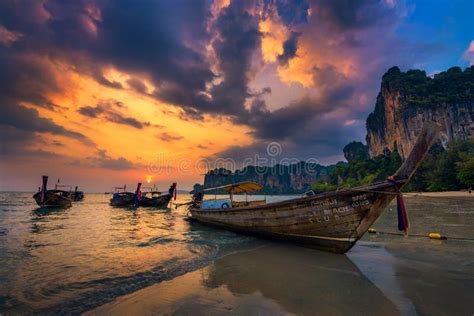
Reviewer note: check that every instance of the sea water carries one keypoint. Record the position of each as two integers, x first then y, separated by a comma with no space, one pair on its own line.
78,259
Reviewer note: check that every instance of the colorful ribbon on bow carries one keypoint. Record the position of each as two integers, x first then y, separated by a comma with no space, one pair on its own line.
403,223
138,195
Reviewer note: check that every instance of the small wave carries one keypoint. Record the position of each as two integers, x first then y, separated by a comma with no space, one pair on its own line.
100,291
110,288
158,240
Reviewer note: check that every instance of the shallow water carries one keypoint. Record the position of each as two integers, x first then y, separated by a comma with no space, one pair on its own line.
75,260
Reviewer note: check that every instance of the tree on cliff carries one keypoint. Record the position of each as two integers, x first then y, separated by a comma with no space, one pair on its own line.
448,169
466,172
355,151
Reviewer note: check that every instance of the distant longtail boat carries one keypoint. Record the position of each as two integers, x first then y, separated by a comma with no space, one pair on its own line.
156,199
120,197
148,199
332,221
52,198
75,195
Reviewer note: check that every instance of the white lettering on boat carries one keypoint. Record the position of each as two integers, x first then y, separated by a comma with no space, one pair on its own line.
341,210
327,213
326,202
360,200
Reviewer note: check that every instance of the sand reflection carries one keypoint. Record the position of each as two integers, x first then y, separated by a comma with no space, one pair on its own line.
271,279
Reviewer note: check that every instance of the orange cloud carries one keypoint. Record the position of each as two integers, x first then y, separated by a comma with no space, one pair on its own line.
8,37
274,35
139,146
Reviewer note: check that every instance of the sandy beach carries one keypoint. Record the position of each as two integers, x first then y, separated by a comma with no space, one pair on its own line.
281,279
144,262
382,274
460,194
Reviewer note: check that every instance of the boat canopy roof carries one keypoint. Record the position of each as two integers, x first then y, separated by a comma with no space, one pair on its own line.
240,187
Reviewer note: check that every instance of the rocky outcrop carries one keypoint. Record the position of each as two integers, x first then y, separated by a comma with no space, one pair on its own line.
355,151
279,179
408,99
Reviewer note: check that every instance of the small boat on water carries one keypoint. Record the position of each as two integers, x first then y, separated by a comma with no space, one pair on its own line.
332,221
52,198
121,197
148,199
154,198
75,195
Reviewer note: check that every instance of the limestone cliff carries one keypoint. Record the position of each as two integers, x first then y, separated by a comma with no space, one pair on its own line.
408,99
279,179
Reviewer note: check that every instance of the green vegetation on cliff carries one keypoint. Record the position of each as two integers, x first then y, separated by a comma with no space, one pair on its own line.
416,89
447,169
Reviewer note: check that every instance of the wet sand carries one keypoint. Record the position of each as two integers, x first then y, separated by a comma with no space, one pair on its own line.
382,274
261,281
280,279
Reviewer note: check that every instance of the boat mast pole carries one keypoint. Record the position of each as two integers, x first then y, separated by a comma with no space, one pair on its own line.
43,188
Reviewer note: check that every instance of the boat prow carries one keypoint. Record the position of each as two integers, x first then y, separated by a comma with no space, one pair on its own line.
156,199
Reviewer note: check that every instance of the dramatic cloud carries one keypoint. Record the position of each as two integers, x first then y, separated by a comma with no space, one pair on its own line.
108,111
235,39
301,73
166,137
8,37
26,119
331,53
27,78
289,48
101,159
104,161
163,39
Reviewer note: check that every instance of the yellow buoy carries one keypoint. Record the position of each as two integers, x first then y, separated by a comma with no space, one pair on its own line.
372,230
436,236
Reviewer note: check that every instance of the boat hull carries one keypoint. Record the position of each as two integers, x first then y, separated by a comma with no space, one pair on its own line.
332,221
121,202
157,202
53,198
122,199
77,196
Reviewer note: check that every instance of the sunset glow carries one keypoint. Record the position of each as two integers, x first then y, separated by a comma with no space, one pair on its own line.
99,97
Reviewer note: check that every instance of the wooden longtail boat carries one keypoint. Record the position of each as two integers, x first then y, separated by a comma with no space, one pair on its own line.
332,221
75,195
156,199
121,197
51,198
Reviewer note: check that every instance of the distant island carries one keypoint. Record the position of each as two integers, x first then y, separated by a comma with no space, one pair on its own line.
405,101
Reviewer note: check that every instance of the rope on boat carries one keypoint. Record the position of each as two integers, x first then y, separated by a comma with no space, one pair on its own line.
430,235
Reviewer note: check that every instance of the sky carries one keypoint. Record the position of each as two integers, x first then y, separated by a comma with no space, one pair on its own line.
103,93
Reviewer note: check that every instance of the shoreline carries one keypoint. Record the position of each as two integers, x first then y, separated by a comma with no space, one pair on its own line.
281,279
439,194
